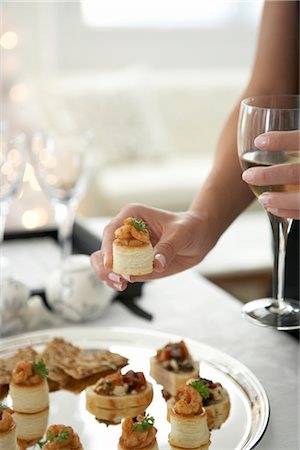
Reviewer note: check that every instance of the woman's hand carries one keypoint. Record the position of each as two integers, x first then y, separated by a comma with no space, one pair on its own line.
179,241
286,203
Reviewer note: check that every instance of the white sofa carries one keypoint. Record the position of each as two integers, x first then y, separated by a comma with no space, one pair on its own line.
154,131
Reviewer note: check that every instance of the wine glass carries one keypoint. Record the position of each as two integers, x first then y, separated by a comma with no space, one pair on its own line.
62,163
260,115
12,164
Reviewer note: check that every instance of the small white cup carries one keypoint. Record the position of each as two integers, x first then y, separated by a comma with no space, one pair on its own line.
75,292
13,306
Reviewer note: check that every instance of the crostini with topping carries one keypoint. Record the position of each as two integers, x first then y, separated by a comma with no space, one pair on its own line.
173,366
119,395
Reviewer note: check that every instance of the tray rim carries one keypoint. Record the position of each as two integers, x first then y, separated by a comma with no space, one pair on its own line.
260,416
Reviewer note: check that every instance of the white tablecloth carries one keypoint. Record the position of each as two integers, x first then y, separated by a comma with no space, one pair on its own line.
188,305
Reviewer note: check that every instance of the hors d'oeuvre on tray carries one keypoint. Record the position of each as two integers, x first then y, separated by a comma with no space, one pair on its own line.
31,427
8,433
117,396
29,388
189,420
216,402
132,250
173,366
138,434
215,399
61,437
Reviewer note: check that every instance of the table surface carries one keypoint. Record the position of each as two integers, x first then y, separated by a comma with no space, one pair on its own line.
189,305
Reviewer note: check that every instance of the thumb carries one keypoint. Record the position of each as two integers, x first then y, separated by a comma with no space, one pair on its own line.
164,253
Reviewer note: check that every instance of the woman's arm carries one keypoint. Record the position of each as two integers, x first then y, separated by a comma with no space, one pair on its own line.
276,70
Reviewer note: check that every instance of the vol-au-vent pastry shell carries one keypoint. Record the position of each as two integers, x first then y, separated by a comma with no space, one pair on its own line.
8,439
31,426
189,431
132,260
153,446
29,398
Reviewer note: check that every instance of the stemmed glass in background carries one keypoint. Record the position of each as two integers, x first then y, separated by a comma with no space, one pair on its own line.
63,166
13,156
260,115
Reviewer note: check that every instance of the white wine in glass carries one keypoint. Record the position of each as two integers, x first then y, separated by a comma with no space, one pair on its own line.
260,115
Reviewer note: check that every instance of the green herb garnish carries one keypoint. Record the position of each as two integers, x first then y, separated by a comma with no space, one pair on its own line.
139,224
202,387
145,424
62,436
40,368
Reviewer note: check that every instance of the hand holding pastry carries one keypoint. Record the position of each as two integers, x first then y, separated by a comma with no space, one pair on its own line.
180,241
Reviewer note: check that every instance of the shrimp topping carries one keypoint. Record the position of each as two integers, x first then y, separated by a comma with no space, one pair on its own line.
6,420
133,438
24,373
188,401
62,437
133,233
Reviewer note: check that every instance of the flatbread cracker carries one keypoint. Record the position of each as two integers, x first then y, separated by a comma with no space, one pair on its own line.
7,365
78,363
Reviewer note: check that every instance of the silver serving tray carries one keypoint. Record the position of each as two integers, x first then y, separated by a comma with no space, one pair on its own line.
249,413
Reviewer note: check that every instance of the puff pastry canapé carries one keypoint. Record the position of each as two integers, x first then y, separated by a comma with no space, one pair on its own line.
62,437
29,387
132,250
138,434
8,431
188,420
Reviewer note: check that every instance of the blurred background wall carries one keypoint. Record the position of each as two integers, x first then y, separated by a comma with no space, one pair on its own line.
153,79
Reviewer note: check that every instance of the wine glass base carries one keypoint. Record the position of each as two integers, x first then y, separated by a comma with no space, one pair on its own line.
263,312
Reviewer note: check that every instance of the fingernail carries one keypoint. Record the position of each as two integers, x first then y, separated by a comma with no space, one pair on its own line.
126,277
104,260
114,277
261,141
248,175
118,286
264,199
161,259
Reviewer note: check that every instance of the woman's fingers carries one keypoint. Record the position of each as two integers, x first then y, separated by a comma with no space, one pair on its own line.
273,175
279,140
282,204
112,279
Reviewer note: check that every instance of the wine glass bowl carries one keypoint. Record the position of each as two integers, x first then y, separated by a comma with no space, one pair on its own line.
260,115
12,165
62,163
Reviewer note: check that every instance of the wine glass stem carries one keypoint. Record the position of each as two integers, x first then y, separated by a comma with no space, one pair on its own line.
280,228
3,215
65,216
